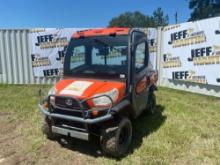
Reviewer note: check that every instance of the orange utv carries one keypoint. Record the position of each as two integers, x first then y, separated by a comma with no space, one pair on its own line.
106,83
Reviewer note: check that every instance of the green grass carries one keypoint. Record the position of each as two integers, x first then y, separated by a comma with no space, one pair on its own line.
185,130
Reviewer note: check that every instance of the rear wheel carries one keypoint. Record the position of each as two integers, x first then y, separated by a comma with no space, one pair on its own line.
116,140
151,104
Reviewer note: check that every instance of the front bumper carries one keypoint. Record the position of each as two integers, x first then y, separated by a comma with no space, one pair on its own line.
73,118
106,117
76,132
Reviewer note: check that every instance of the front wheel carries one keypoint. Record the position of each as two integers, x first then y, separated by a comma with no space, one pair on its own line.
116,140
47,130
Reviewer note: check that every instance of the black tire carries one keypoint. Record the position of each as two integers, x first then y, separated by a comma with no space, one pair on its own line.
115,141
47,130
151,104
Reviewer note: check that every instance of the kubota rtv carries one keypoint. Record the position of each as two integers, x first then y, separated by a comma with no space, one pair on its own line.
106,83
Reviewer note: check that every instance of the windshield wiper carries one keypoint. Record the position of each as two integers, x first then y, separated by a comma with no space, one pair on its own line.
106,44
88,72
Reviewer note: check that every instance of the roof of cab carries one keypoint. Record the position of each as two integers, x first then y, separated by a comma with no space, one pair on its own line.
101,32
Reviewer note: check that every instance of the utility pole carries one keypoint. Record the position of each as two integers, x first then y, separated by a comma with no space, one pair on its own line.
176,18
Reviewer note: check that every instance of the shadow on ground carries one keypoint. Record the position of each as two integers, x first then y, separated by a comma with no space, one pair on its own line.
145,125
142,127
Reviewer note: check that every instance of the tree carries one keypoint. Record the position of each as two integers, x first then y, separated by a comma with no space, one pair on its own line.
129,19
204,9
159,18
137,19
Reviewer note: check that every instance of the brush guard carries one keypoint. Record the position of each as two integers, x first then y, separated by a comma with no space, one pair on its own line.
85,112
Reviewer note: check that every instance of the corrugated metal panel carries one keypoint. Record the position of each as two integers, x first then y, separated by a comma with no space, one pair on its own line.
15,58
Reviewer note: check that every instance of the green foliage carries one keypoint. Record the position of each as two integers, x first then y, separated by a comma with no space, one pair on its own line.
138,19
202,9
159,18
129,19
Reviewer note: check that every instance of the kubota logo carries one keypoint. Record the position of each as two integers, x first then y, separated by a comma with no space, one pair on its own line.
69,102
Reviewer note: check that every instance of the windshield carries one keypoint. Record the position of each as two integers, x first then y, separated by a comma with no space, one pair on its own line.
97,56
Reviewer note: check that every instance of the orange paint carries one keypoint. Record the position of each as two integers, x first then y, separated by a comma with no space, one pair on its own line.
141,85
101,32
96,87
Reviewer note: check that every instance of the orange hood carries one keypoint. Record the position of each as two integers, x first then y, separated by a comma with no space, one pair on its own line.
84,88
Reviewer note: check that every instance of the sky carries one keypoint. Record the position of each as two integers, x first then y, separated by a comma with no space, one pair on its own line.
81,13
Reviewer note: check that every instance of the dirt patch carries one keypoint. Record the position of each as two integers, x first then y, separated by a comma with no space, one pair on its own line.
11,140
14,144
4,114
68,151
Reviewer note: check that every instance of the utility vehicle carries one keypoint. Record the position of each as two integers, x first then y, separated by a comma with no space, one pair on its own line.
106,84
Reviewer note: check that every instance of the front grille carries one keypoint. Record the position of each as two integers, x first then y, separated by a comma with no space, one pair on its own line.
62,107
68,102
67,112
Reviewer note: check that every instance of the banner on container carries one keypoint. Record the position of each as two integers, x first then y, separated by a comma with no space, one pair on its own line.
152,42
191,51
48,50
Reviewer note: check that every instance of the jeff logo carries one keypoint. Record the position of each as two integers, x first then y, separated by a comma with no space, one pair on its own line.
152,45
38,61
61,55
200,52
178,35
171,62
53,72
180,75
186,37
205,55
44,38
189,76
51,41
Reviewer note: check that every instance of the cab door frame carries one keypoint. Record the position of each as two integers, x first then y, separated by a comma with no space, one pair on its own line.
138,77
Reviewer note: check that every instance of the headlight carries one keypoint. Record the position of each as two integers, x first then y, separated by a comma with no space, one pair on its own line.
105,101
52,91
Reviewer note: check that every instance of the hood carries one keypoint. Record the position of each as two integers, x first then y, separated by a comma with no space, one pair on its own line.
82,89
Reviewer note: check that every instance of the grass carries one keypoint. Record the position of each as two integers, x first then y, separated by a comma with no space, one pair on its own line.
185,130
